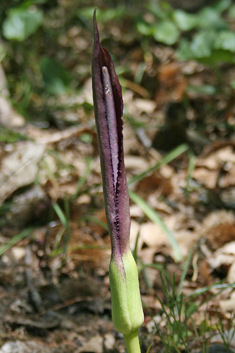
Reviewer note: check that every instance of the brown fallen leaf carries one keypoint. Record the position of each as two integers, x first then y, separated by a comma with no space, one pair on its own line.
95,345
20,167
218,228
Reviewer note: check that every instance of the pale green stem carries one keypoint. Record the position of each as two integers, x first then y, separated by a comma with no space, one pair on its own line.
132,342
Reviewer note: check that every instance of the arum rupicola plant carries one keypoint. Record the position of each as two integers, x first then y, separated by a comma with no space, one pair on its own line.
127,312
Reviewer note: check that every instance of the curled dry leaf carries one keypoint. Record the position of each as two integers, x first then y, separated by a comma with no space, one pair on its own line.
218,228
20,168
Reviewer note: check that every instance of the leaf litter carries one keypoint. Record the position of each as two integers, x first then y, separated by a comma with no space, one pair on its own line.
57,272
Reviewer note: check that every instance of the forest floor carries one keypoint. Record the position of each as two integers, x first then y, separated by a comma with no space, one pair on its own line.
179,142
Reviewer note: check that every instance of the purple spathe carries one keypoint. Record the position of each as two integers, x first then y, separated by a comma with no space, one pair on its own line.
108,104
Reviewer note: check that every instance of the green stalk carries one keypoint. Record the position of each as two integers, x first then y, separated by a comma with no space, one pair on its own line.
132,342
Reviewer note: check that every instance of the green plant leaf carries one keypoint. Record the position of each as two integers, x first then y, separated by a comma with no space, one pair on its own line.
218,56
231,11
225,40
144,28
205,89
211,19
2,52
201,46
222,5
184,20
103,15
166,32
202,43
184,51
232,84
21,23
203,51
158,10
55,76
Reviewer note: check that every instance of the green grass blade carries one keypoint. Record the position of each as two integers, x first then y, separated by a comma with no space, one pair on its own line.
166,159
64,219
82,179
173,344
95,220
68,229
191,167
15,240
158,267
203,290
60,214
155,218
193,308
134,252
185,270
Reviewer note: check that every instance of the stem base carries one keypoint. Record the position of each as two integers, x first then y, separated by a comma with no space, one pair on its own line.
132,342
